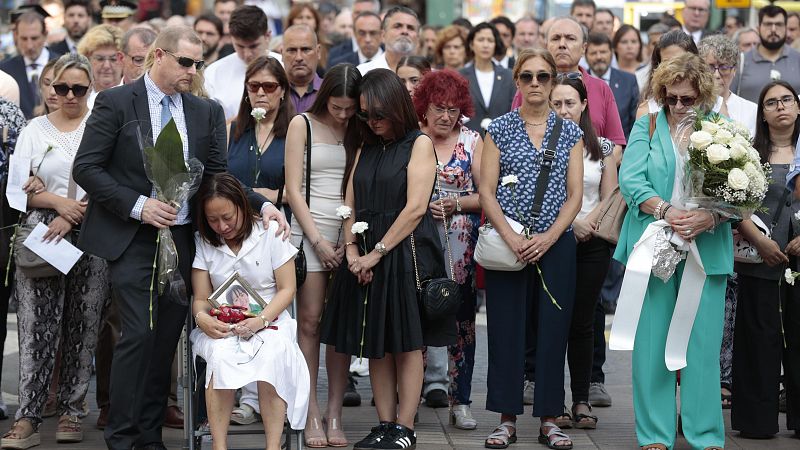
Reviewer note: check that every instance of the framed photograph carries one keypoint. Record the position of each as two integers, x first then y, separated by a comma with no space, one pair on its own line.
237,291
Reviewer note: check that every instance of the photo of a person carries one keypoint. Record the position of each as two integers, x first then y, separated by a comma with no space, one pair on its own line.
237,292
237,296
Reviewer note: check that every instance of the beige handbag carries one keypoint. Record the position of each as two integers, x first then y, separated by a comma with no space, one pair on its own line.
612,214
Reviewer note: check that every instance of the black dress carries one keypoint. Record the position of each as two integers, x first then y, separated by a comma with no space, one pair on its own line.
393,320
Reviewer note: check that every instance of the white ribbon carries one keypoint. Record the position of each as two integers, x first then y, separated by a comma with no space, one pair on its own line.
634,289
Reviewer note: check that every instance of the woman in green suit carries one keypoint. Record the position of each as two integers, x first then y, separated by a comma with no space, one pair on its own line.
649,181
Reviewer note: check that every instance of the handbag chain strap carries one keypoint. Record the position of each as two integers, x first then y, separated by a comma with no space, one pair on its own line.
446,238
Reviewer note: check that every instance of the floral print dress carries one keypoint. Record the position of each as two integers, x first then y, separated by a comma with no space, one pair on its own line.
455,180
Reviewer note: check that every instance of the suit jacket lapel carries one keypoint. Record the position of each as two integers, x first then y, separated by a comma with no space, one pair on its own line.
496,89
475,90
191,125
141,108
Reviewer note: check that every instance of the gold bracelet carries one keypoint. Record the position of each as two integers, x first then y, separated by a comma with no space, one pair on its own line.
266,322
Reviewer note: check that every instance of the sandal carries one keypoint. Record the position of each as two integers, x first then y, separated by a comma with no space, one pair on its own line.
21,436
243,415
503,434
314,434
583,421
726,398
564,420
69,429
334,432
553,436
653,447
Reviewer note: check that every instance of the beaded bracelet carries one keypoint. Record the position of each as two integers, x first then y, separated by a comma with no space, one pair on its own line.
657,211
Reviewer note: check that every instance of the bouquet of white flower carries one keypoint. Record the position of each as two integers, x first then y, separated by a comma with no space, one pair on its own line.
723,171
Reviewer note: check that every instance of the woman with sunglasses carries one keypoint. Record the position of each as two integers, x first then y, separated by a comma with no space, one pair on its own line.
491,85
373,311
65,307
569,100
441,99
766,335
650,181
517,301
318,229
263,349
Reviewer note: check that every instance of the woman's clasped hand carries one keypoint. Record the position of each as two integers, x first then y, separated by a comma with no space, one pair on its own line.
689,224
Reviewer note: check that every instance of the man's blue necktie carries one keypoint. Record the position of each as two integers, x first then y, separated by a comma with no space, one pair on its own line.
165,112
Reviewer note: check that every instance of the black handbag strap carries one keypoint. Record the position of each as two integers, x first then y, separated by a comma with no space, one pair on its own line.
548,156
778,211
307,170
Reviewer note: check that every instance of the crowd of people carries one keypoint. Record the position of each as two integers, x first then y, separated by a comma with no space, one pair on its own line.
353,163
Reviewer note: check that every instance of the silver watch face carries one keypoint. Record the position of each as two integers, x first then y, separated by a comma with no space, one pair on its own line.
380,247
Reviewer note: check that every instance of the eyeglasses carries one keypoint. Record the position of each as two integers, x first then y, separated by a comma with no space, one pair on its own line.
569,76
268,86
541,77
452,112
697,9
186,61
137,61
366,117
78,90
673,100
723,70
786,101
100,59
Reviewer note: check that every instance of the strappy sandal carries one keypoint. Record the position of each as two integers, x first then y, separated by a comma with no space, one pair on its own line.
243,415
653,447
553,436
69,429
18,437
314,434
503,434
583,421
726,398
564,420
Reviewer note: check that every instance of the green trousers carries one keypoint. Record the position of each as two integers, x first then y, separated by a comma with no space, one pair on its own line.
654,386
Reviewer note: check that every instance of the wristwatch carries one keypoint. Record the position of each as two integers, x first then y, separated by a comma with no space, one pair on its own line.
381,249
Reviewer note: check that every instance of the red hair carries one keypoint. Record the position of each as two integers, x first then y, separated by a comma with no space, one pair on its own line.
443,87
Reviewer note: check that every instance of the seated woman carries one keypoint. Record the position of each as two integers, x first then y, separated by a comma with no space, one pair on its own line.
231,239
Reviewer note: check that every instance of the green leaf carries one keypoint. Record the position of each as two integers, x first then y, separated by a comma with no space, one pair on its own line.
166,158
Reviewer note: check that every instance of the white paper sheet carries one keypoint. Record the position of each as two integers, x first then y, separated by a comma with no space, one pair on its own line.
19,169
61,255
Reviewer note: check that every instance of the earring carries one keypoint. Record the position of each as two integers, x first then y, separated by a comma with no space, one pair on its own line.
425,117
247,99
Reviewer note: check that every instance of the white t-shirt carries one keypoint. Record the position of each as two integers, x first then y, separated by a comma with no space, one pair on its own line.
592,175
225,82
485,84
378,62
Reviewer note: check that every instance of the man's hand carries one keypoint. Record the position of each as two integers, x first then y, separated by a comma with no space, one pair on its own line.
270,212
158,213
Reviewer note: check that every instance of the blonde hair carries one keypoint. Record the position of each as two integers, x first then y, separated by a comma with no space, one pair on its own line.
198,80
72,61
687,67
100,36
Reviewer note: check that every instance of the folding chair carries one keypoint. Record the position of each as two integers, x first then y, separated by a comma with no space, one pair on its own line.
193,437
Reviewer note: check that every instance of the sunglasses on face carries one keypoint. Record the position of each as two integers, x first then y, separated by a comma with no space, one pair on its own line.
77,90
673,100
187,62
365,116
268,86
541,77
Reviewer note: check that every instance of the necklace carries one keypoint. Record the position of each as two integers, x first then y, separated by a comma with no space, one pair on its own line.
385,143
534,124
330,130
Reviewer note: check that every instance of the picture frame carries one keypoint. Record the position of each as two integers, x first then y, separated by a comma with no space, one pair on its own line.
236,291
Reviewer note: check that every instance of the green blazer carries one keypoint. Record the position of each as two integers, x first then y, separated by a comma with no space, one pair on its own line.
647,171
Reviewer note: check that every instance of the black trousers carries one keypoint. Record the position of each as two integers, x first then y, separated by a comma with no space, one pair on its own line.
758,351
140,371
516,305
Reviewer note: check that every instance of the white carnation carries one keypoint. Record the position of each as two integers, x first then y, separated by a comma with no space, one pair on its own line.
258,114
788,276
737,179
717,153
359,227
738,151
701,139
343,212
509,179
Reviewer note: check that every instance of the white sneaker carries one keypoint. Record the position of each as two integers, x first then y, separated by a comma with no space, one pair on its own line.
527,393
360,367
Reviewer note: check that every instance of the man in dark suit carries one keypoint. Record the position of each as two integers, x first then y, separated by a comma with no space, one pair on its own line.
77,20
29,36
623,84
367,32
122,220
350,46
695,18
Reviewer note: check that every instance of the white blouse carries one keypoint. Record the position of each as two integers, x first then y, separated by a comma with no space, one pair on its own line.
54,167
592,175
743,111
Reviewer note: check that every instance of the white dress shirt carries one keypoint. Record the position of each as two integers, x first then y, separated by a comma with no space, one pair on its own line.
225,82
378,62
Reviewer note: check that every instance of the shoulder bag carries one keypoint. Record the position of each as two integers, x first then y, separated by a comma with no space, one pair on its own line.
31,264
437,297
743,250
300,260
491,251
614,208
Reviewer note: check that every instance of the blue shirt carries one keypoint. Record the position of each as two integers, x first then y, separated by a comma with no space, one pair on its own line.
519,157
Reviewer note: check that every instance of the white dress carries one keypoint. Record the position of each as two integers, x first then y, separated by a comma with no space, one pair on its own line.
272,355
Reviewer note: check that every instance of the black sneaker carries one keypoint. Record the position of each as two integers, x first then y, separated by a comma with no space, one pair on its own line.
398,437
351,396
373,437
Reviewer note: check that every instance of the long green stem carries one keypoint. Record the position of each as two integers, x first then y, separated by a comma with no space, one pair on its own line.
364,319
153,277
11,253
544,286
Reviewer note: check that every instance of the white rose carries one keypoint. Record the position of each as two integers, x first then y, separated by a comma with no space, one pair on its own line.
343,212
797,215
717,153
754,155
709,127
509,179
742,131
741,140
359,227
723,136
774,75
788,276
737,179
258,114
701,139
738,151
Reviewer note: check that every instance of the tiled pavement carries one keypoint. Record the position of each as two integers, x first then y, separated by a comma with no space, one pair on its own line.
615,429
